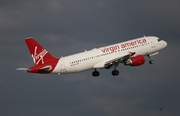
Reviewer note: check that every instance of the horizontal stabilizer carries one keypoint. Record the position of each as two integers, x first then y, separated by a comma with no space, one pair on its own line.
21,68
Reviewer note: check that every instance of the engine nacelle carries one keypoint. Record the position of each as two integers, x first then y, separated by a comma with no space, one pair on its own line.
135,61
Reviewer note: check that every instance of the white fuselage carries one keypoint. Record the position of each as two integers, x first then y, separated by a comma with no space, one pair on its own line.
95,58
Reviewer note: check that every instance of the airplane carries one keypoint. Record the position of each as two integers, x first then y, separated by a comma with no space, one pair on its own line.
129,53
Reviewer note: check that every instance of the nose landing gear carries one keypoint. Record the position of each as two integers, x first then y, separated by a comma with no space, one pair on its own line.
150,61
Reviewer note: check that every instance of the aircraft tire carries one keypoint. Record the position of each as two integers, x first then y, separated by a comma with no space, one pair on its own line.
151,62
95,73
115,72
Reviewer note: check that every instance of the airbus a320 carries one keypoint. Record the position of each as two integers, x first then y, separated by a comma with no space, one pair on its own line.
131,53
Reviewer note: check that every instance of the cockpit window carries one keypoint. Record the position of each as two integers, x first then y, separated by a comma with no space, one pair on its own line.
159,39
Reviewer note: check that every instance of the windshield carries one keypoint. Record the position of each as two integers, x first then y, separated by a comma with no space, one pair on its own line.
159,39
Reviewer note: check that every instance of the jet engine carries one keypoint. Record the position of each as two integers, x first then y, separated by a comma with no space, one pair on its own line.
135,61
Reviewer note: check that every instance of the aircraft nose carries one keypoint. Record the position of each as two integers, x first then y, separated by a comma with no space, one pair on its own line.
164,44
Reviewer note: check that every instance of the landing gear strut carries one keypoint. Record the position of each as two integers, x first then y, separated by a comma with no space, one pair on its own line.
95,73
150,61
115,72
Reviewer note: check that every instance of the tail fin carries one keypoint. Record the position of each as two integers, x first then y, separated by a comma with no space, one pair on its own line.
38,53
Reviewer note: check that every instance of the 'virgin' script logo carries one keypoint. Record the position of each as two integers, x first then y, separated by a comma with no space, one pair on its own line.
37,57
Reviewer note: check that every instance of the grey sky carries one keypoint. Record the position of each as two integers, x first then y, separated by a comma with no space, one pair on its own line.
65,27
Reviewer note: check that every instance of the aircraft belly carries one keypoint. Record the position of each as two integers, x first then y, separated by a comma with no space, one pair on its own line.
82,66
78,68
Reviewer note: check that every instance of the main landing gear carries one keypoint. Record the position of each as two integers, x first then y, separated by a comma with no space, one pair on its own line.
95,73
115,72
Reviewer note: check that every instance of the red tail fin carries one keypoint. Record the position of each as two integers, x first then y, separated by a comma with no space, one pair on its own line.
38,53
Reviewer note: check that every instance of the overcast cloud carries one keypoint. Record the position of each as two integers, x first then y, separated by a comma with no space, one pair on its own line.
65,27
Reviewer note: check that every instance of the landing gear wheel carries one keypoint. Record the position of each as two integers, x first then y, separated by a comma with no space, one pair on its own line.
151,62
115,72
95,73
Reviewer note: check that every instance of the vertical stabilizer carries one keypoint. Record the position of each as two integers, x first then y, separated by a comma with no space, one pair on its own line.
38,53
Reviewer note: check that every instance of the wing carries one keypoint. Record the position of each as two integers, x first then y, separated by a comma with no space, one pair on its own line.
110,62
